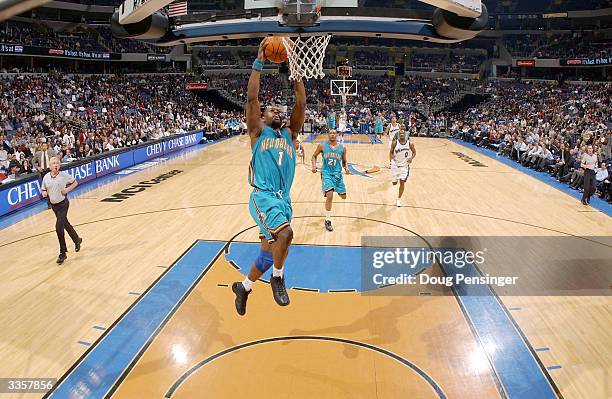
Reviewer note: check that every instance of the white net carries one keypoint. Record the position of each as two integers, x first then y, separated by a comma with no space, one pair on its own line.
306,56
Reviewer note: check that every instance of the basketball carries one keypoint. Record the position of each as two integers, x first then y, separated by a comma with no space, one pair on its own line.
274,50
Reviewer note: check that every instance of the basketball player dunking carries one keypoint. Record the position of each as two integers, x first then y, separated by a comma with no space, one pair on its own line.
271,173
334,158
401,155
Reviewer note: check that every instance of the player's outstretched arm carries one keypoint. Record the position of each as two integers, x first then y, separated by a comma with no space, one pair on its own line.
314,157
345,162
253,111
299,110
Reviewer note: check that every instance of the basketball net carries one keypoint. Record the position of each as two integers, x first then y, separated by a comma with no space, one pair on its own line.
306,56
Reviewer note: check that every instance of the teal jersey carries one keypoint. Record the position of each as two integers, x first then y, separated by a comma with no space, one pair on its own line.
332,159
332,120
272,166
379,123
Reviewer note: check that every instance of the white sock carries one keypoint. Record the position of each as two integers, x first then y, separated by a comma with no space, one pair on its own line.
277,272
328,215
248,284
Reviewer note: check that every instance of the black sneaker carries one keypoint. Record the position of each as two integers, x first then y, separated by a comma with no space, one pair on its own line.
328,225
279,291
77,246
241,297
61,258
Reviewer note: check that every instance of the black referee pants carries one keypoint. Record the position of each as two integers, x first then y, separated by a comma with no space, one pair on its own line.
61,213
589,185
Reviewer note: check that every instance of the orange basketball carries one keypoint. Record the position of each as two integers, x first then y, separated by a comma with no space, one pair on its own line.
274,50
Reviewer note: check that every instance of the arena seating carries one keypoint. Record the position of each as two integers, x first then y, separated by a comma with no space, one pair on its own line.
528,122
80,116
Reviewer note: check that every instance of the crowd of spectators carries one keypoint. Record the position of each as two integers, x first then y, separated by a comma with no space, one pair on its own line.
547,127
372,59
425,93
80,116
426,61
82,37
217,59
576,45
464,63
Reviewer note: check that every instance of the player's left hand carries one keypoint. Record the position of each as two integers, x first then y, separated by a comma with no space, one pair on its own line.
348,172
260,51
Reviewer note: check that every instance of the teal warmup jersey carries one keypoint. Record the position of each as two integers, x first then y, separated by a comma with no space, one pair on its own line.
331,172
272,165
378,128
332,120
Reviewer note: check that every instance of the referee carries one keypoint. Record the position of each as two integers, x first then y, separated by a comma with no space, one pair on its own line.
589,163
55,186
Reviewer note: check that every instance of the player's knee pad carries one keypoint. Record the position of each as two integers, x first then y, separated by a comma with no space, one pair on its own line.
264,261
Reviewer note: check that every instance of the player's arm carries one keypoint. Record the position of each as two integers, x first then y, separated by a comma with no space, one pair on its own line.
314,157
344,161
393,144
253,111
299,110
387,129
413,151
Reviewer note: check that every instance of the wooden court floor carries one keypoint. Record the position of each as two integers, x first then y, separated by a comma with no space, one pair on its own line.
145,311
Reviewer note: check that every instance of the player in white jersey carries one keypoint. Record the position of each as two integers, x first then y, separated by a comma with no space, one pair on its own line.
300,150
342,124
392,130
401,155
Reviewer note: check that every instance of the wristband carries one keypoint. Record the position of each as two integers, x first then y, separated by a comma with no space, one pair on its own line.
258,64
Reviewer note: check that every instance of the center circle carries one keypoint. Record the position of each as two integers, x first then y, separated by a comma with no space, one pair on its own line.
306,366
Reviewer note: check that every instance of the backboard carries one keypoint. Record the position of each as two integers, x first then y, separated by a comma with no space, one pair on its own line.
343,87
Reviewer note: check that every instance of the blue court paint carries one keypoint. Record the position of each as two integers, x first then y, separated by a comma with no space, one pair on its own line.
518,371
351,167
99,328
312,267
84,343
553,367
31,210
322,268
103,365
596,202
542,349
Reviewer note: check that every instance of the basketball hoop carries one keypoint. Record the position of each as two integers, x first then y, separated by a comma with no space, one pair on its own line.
306,56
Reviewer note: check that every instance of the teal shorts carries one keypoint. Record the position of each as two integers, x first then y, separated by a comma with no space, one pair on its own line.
271,212
333,182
